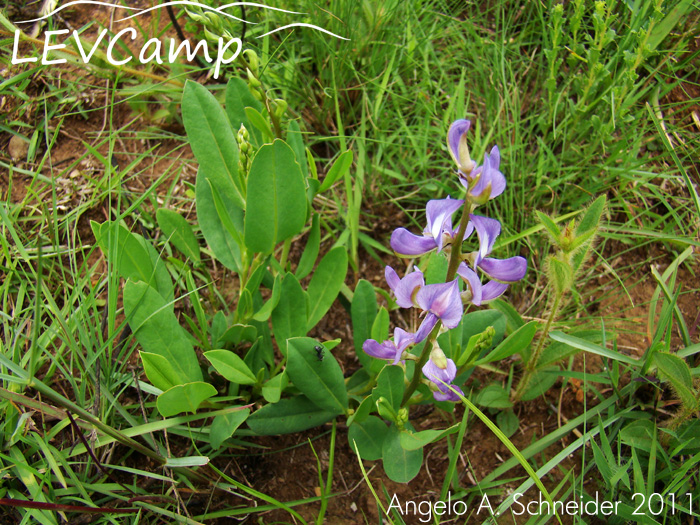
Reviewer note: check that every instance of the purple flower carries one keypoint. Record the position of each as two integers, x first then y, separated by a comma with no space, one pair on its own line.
437,233
440,301
441,372
404,289
391,350
504,270
485,182
476,293
457,144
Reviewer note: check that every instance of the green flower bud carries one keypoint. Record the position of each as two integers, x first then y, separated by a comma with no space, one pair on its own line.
385,409
253,61
279,107
402,418
252,80
438,357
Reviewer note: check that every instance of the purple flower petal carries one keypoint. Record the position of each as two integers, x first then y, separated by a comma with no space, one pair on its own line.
456,134
391,350
392,278
495,158
426,327
490,182
507,270
497,179
440,375
491,290
439,214
443,300
386,350
403,339
407,288
406,243
446,393
488,230
472,280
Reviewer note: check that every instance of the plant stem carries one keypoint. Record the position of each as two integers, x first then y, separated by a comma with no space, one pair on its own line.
285,253
456,253
415,380
535,357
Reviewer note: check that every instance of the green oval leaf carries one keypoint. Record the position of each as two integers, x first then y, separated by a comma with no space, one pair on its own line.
400,465
212,140
272,390
363,311
369,436
513,344
289,316
159,371
225,246
308,257
339,169
541,381
133,256
289,415
184,398
230,366
179,232
390,385
326,283
239,97
276,202
157,330
416,440
508,422
677,372
321,380
224,425
494,396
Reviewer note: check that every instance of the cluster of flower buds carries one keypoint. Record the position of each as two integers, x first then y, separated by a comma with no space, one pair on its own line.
445,302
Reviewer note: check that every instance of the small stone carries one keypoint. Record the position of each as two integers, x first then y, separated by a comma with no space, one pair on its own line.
18,148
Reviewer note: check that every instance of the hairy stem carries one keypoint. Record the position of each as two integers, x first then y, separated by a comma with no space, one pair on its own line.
531,365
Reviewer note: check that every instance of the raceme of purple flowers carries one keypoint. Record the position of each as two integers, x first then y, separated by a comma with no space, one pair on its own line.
444,301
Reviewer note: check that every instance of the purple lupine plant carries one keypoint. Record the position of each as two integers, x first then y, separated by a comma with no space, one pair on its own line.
437,234
443,302
483,182
391,350
404,289
440,301
458,147
501,271
475,292
505,270
441,371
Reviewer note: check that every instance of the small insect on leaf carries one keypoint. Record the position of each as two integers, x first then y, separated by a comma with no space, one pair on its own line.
319,352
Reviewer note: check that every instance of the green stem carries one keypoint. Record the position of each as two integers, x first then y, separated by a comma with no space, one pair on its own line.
285,253
421,362
456,253
535,357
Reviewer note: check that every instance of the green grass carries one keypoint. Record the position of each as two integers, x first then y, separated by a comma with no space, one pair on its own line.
568,130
